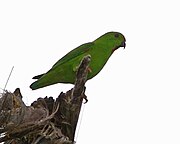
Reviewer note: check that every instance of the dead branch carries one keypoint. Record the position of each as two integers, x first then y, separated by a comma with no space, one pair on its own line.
46,120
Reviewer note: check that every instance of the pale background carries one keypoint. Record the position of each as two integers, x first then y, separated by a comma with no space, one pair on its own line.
136,97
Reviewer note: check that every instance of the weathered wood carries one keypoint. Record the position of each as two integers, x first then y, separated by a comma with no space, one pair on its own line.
46,120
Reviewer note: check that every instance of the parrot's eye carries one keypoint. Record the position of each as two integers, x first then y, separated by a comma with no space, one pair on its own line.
116,35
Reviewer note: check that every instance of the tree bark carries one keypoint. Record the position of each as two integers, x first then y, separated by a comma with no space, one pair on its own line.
47,120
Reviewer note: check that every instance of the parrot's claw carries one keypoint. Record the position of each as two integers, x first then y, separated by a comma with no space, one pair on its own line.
85,98
89,70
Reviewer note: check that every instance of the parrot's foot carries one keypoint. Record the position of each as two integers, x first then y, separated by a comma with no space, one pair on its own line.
85,98
89,70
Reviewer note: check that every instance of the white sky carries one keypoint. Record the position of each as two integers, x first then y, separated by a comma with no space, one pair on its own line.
135,99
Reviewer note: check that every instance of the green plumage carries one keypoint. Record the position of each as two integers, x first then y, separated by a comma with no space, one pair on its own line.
64,70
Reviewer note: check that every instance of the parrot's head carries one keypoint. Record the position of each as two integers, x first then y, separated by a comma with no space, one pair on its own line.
112,40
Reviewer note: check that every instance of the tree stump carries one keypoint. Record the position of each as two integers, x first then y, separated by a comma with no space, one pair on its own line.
47,120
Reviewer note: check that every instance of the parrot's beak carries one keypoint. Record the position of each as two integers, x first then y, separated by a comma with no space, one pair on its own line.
123,44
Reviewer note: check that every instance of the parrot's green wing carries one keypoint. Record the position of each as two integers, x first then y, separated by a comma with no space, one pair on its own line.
72,54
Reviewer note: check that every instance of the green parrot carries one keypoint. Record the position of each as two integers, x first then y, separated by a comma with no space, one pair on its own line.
64,70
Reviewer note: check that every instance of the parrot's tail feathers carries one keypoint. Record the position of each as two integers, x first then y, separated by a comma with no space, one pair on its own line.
38,76
34,86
